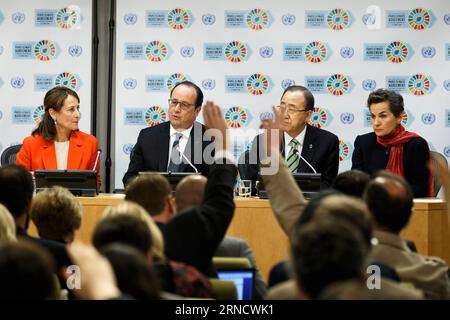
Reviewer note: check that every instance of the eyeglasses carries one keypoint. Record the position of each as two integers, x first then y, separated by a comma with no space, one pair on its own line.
183,105
292,110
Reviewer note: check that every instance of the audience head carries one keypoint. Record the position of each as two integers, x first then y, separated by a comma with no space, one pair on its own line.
153,192
7,226
134,275
26,272
352,182
190,191
61,109
16,190
390,200
124,229
324,252
386,108
185,103
312,205
57,214
133,209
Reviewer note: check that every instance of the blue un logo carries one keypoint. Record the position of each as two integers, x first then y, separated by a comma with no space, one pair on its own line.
129,83
287,83
266,52
288,19
347,117
127,148
209,84
208,19
17,82
428,52
369,84
428,118
447,151
130,18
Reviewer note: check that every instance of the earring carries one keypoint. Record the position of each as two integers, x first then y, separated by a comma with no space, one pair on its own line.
54,121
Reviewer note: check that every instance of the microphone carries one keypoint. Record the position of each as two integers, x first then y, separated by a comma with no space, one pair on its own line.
309,164
185,158
99,152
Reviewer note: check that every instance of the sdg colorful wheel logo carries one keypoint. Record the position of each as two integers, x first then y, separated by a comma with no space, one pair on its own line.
236,51
174,79
257,84
178,19
316,52
338,19
38,113
236,117
419,19
419,85
405,119
45,50
67,79
344,150
155,115
156,51
257,19
319,118
338,84
397,52
67,18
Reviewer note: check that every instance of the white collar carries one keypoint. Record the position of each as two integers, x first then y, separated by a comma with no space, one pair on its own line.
300,138
186,133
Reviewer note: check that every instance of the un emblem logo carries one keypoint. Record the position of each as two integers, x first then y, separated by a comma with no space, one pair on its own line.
266,116
266,52
209,84
369,19
127,148
428,52
347,117
447,19
447,151
208,19
288,19
17,82
187,52
347,52
287,83
447,84
130,18
18,17
75,50
129,83
428,118
369,84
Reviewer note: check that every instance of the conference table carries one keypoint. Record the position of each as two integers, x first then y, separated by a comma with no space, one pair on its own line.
254,221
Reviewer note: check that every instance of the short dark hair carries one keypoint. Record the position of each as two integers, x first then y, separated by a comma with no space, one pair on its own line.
133,273
325,252
312,205
16,188
307,94
390,208
54,99
351,182
125,229
395,100
198,99
150,191
26,271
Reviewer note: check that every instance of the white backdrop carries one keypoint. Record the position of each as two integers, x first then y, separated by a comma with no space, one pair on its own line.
43,43
243,55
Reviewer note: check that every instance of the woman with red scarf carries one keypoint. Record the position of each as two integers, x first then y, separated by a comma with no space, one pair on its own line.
391,147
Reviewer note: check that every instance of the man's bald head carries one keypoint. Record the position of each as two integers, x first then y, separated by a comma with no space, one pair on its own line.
190,191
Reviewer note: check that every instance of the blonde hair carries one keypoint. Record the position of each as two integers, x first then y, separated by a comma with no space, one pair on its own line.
56,213
135,210
7,226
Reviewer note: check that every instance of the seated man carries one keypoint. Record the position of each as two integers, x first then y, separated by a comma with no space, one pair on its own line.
306,148
56,214
167,146
390,201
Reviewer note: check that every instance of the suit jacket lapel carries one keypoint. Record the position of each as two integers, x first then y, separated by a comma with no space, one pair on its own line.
307,149
163,148
75,152
49,155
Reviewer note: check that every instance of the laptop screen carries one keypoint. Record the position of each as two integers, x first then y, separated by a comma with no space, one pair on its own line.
243,280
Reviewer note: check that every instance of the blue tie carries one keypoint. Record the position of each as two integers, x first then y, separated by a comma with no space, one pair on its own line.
175,156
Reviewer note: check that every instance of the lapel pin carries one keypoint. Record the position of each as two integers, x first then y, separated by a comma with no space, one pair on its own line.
310,146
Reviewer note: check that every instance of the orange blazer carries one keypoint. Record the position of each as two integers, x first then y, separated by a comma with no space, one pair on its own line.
37,153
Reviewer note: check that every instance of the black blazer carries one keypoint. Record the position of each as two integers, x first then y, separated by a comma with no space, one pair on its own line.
151,151
194,234
320,149
370,156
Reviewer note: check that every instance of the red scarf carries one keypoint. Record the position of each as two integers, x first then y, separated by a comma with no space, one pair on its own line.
395,141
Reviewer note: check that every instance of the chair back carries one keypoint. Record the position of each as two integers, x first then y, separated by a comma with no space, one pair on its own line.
9,155
231,263
223,289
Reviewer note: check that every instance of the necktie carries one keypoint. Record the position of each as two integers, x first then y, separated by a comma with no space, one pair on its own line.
293,158
175,156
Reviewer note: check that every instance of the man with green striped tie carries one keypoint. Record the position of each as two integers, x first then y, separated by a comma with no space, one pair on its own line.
307,149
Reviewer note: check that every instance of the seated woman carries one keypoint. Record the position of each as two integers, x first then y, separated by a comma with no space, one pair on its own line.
391,147
57,142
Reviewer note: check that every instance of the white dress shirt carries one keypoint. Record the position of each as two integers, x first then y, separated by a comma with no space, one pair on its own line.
300,138
62,153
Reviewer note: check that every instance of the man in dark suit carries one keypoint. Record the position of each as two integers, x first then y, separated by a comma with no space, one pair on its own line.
177,145
306,148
